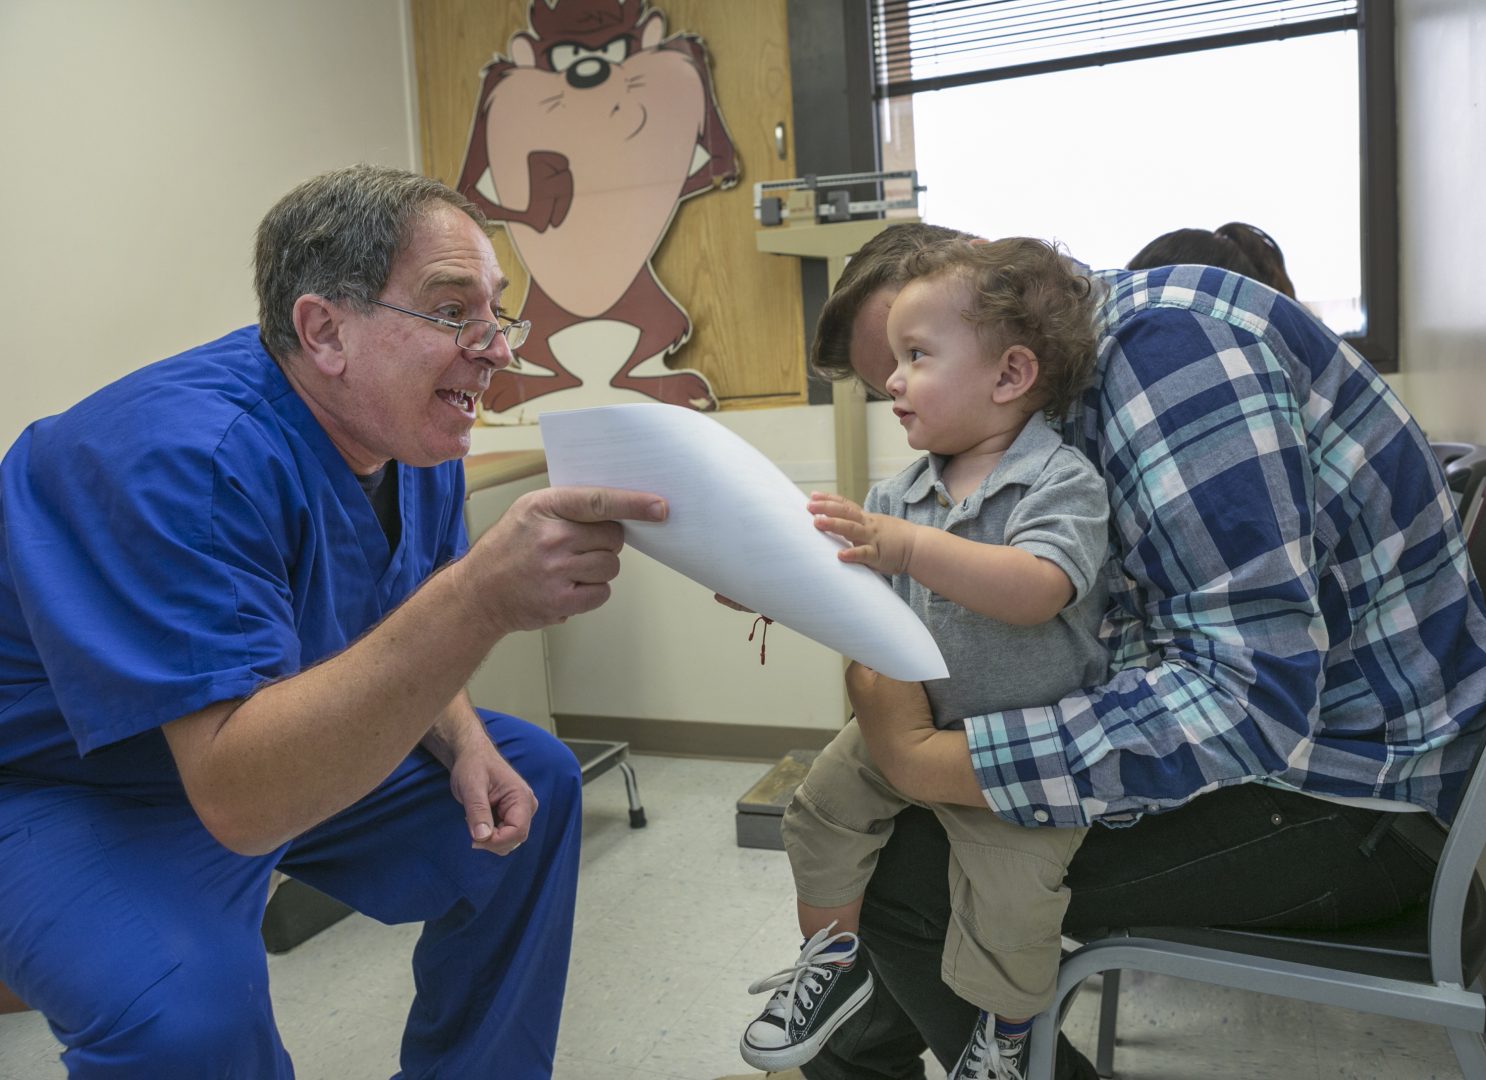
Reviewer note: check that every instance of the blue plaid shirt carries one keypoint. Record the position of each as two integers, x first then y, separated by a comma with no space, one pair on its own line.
1292,601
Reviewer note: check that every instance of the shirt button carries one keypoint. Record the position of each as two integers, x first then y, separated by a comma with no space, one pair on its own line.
1039,815
942,500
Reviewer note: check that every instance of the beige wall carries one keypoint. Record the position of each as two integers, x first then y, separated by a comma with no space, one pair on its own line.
1442,214
142,142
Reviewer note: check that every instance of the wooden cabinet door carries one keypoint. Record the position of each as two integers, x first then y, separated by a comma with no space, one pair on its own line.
747,335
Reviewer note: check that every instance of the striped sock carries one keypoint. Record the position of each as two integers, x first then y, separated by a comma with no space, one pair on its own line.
1006,1029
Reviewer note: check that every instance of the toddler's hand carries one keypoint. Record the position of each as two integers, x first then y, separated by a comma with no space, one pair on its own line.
883,542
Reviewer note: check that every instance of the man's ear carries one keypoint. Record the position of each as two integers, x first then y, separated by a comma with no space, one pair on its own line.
317,321
1018,374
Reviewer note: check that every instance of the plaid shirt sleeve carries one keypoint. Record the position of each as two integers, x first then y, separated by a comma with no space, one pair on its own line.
1222,629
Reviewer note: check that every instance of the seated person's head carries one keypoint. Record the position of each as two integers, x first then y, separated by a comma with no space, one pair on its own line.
851,335
1236,246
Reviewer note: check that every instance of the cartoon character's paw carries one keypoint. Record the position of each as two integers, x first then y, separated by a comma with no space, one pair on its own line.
551,189
679,388
509,388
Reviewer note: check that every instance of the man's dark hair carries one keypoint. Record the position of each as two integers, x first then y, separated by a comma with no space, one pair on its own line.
337,236
880,262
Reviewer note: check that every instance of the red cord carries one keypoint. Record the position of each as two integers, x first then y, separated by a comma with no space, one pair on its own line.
764,637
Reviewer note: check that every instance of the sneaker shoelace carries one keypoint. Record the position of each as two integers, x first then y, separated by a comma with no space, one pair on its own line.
807,977
978,1061
1009,1061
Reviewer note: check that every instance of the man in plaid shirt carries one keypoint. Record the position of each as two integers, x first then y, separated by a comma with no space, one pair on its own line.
1299,649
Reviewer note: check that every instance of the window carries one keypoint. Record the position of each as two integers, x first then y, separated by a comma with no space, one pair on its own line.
1103,123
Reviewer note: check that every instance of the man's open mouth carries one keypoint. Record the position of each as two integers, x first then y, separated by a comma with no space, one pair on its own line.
463,400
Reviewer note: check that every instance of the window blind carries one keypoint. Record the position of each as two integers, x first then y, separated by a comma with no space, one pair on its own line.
934,44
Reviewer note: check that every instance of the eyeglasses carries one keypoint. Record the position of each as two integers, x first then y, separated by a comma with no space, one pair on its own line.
473,334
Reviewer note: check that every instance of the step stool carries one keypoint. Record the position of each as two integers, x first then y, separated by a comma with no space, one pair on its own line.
761,809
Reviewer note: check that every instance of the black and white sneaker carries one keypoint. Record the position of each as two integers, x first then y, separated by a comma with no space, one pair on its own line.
975,1061
988,1057
812,999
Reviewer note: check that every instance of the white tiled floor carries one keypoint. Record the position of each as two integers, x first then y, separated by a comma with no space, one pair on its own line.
675,920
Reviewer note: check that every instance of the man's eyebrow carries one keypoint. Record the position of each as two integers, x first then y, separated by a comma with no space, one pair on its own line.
446,279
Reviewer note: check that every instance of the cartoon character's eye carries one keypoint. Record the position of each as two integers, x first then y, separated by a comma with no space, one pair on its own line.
566,55
563,57
615,51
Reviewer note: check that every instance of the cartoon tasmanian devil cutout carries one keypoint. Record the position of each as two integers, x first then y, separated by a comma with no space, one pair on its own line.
597,125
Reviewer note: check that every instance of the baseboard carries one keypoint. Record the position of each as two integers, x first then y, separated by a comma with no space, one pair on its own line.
685,738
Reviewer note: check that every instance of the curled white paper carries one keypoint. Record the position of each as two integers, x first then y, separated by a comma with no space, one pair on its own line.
739,527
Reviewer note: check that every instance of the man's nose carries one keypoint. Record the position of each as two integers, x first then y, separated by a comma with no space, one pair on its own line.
497,354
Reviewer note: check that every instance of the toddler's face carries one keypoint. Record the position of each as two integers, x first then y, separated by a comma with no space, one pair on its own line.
942,382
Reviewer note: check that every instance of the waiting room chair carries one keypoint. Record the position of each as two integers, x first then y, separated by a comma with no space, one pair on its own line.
1423,966
1465,466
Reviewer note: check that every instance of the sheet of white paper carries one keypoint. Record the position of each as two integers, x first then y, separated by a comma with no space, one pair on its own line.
739,526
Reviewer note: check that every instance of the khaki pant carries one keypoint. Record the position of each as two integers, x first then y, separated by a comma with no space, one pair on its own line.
1006,889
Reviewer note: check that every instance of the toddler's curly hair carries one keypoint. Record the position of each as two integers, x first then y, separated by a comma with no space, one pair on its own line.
1023,291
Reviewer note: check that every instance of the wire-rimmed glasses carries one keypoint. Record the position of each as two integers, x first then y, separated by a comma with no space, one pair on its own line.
474,335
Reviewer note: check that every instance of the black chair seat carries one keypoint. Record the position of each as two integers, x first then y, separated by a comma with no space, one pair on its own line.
1392,948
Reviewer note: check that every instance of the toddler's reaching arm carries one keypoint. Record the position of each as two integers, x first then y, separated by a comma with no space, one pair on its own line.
996,580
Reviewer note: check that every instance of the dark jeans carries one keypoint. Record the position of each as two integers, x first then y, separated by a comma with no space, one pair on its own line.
1244,855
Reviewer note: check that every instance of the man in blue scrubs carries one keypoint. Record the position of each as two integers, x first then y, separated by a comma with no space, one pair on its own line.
237,615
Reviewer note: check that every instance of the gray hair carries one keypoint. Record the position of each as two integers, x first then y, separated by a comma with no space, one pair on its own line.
337,236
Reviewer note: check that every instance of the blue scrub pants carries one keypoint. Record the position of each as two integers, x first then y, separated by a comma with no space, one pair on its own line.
138,936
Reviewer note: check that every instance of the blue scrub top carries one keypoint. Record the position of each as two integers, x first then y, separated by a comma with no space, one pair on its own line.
180,538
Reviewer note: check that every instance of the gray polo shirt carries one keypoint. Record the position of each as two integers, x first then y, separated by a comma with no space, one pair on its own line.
1044,498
